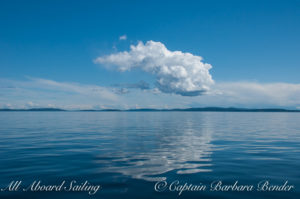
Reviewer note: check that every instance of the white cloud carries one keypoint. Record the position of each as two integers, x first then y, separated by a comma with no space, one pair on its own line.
225,94
36,92
176,72
31,104
88,90
123,37
263,94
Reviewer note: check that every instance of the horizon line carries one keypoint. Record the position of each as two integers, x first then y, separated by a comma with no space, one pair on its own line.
195,109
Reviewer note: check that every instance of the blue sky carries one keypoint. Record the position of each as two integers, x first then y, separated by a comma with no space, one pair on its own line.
248,43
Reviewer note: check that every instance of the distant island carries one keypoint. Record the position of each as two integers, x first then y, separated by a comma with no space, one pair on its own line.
205,109
34,109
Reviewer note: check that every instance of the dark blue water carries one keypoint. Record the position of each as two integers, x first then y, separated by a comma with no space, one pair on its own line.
127,153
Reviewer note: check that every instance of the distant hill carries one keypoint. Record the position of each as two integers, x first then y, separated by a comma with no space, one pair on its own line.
205,109
34,109
232,109
220,109
101,110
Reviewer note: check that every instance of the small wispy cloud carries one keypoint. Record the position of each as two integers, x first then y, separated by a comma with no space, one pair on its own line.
138,85
123,37
124,88
121,91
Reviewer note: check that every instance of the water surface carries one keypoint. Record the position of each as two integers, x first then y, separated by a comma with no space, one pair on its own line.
128,152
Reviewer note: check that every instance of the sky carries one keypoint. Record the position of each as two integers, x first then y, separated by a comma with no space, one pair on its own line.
149,54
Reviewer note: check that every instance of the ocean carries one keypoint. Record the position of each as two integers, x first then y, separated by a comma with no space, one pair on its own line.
149,155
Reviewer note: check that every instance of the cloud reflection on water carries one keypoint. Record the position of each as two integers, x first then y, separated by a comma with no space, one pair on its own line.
185,149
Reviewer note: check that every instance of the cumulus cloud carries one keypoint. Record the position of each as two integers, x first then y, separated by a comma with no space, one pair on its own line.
176,72
123,37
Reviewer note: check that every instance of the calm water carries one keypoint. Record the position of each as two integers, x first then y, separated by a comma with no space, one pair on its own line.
128,152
